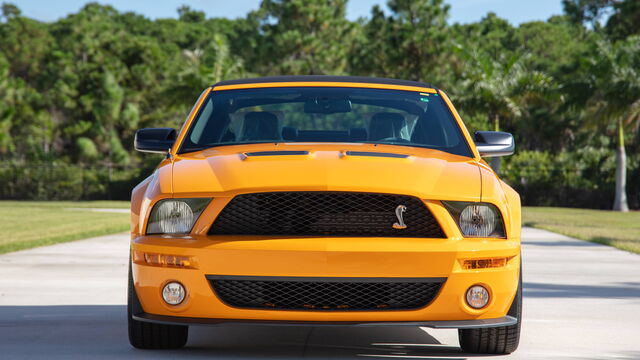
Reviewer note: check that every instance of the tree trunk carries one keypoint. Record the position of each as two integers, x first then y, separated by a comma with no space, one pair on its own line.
620,202
495,161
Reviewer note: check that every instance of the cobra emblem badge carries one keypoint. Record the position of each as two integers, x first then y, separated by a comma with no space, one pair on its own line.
400,209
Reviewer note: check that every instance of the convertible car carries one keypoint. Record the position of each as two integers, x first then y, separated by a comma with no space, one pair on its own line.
325,201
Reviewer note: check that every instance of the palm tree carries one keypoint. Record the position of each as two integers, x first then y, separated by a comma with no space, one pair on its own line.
502,88
201,68
612,84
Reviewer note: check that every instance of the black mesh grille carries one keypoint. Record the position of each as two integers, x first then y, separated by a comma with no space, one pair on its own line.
337,294
325,214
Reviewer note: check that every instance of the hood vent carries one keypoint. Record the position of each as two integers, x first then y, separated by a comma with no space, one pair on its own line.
377,154
277,153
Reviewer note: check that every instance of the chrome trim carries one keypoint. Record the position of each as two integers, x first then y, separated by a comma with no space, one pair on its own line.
400,209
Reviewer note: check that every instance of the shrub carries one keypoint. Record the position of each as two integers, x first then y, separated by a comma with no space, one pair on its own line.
63,181
581,178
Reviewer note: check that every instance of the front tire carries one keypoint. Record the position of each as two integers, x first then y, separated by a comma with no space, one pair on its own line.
145,335
495,340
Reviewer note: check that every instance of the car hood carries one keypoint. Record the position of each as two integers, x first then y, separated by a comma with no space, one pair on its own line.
229,170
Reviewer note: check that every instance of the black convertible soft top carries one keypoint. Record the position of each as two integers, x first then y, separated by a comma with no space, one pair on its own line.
324,78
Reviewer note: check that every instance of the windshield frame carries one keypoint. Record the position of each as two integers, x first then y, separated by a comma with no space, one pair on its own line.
465,150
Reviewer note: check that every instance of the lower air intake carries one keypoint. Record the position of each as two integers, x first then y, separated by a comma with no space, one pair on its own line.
326,294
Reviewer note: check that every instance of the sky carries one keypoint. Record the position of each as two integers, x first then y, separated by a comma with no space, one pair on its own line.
462,11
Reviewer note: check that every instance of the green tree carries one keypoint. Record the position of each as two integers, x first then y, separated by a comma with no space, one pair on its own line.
304,37
500,88
588,11
624,21
201,68
554,47
610,88
492,35
186,14
75,90
6,111
409,43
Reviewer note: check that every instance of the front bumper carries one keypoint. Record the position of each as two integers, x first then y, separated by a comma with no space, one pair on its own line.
329,257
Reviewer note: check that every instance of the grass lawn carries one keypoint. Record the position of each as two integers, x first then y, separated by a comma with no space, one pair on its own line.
613,228
28,224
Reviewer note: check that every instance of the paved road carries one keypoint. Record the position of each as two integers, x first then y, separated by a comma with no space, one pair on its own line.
582,301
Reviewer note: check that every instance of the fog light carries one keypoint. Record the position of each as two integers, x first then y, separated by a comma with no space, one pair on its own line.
477,297
173,293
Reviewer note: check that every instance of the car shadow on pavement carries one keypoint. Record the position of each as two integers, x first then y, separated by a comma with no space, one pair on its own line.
619,291
578,243
100,331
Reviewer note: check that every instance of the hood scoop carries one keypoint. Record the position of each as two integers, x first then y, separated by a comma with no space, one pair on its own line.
376,154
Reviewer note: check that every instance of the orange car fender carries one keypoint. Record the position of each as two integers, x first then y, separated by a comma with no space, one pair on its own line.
156,187
514,225
503,197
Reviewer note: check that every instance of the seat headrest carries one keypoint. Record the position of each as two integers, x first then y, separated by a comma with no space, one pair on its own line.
289,133
260,125
386,125
358,134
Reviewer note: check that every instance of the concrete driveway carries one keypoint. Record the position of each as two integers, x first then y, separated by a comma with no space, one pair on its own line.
582,301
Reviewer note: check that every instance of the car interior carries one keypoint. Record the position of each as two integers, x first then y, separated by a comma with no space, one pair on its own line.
266,126
382,126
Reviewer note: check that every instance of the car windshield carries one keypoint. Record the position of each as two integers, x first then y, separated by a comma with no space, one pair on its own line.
325,114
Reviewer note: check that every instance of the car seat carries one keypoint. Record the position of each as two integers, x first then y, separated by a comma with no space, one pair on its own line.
386,125
260,125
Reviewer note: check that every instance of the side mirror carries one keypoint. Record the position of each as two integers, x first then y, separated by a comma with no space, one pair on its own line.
158,140
494,143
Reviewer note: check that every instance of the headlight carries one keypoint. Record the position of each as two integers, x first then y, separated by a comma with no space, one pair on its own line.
175,216
476,219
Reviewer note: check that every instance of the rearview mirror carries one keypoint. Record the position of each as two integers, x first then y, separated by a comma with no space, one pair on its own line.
325,105
494,143
154,140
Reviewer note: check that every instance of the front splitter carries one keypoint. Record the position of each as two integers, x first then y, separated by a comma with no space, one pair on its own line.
442,324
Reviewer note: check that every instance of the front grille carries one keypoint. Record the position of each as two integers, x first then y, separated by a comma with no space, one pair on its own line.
325,214
326,294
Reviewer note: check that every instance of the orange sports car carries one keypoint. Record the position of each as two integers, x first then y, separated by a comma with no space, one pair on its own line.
325,200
